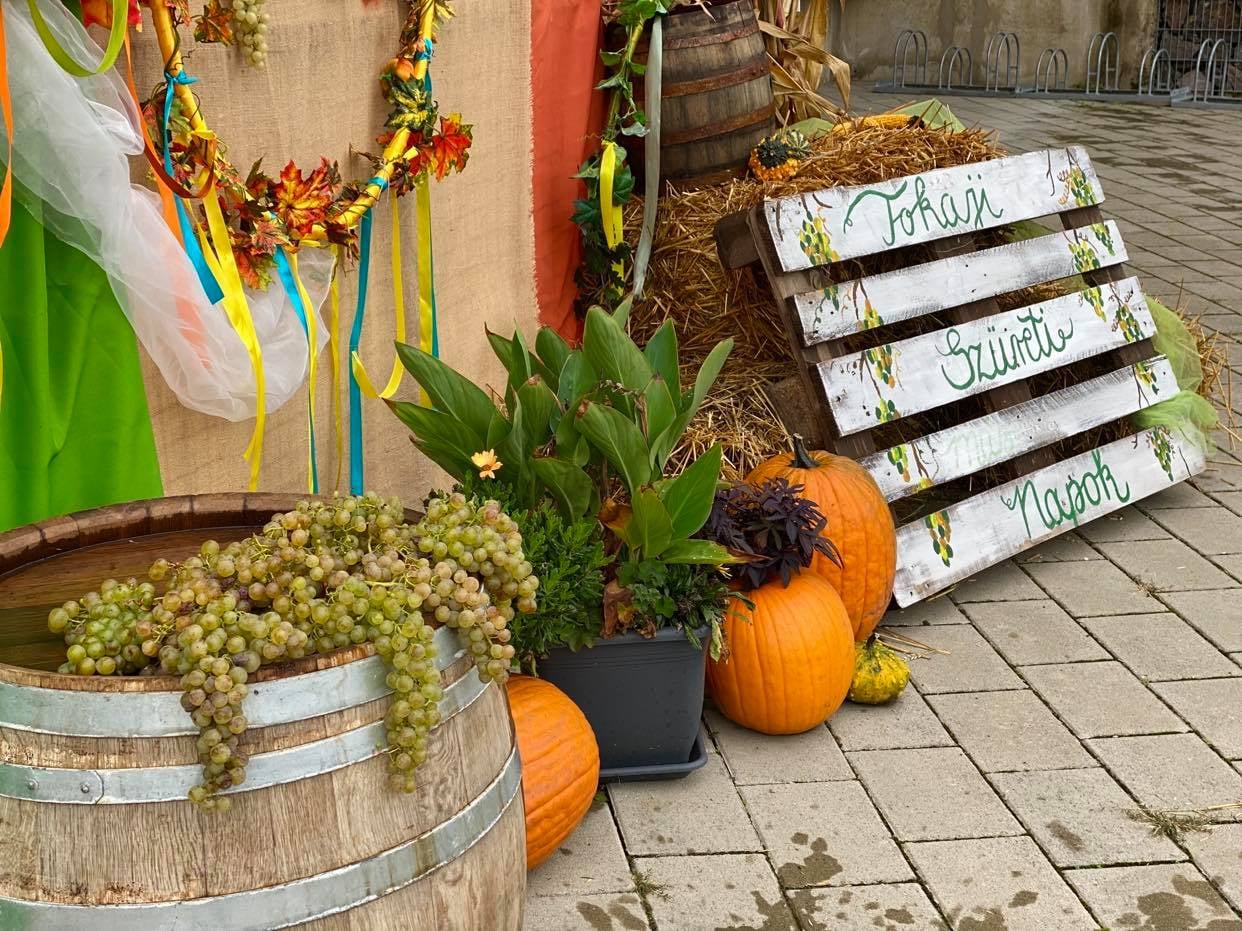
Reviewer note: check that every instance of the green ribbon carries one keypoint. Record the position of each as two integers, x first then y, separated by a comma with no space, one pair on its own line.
116,39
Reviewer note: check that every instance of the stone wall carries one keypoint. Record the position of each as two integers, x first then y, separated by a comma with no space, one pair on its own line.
864,35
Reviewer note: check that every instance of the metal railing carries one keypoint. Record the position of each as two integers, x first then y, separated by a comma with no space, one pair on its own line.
1202,42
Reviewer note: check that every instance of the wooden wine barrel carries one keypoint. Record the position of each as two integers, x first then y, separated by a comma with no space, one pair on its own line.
716,100
96,831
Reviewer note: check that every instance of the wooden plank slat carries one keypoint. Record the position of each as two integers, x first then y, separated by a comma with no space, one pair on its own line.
865,303
987,441
822,227
953,544
892,381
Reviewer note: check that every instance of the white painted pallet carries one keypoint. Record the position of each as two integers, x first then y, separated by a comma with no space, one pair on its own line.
978,444
885,383
1011,518
865,303
827,226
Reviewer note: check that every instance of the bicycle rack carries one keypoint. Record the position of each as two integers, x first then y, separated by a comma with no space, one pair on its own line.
1013,61
1106,63
1052,69
956,55
910,40
1149,67
1211,69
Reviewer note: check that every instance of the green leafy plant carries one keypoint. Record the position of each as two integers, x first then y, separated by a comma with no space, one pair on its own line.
661,594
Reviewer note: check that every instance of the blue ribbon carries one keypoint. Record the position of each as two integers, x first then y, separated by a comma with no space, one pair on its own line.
285,272
355,336
192,248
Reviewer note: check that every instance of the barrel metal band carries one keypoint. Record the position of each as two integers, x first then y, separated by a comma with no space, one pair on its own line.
756,69
159,714
127,786
721,127
296,902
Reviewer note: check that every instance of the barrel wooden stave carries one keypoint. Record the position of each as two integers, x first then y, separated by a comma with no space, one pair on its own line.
716,98
153,852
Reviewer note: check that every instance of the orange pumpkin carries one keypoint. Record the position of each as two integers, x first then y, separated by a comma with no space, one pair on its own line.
791,658
859,524
560,763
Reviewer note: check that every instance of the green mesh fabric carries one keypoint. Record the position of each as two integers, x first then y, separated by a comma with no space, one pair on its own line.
1187,410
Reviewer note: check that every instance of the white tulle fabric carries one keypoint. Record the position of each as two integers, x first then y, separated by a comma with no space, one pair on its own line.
73,140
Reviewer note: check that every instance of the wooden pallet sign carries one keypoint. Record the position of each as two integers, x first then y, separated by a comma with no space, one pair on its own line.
1008,464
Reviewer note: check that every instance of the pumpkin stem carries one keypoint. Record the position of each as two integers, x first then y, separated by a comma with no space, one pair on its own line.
801,458
871,642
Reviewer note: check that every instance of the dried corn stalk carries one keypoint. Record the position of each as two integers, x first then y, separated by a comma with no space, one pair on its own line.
796,36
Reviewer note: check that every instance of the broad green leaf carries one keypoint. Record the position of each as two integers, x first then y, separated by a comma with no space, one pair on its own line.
661,355
497,431
568,485
650,530
708,373
622,312
447,458
432,426
696,553
575,379
450,392
536,402
553,352
622,443
661,412
612,353
688,497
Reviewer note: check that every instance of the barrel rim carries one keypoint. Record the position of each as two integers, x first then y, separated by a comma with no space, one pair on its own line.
301,900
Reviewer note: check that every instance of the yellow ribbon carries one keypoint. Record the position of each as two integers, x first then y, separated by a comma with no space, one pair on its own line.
610,213
426,313
398,298
237,310
312,344
334,353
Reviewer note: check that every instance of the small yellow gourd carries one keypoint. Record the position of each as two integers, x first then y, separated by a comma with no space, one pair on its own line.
879,673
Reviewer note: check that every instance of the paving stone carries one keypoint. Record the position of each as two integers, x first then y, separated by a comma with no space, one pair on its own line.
1218,853
1216,615
591,860
1231,565
893,907
1213,707
939,610
1009,731
585,913
824,834
971,664
732,891
1159,647
904,722
1181,495
1176,771
1081,818
1214,531
1068,547
1101,700
1126,524
1087,588
1223,473
760,759
1231,500
932,794
1172,896
997,884
1002,582
1028,632
698,814
1165,565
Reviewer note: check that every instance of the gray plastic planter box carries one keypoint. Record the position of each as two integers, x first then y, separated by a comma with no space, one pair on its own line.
643,697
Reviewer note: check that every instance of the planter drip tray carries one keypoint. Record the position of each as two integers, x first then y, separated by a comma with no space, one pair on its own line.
698,757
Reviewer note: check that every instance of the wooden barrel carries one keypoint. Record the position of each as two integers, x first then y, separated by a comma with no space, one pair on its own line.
716,99
95,828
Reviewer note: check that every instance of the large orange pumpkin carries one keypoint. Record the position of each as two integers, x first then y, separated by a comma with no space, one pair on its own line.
560,763
859,524
791,658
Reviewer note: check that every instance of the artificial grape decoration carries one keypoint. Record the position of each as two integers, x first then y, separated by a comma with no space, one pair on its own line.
250,26
326,575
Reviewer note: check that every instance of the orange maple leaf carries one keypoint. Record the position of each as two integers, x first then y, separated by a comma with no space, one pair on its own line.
450,146
302,201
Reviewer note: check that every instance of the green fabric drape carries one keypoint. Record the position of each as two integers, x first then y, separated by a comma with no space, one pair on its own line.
75,432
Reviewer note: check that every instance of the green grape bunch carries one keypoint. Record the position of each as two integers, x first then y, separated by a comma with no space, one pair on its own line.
250,25
328,574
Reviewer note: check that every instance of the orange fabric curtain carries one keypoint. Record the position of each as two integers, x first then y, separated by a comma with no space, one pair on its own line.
568,115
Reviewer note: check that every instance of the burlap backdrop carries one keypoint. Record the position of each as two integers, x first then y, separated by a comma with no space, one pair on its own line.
319,94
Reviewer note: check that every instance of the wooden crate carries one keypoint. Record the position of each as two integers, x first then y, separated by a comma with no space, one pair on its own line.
1000,439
